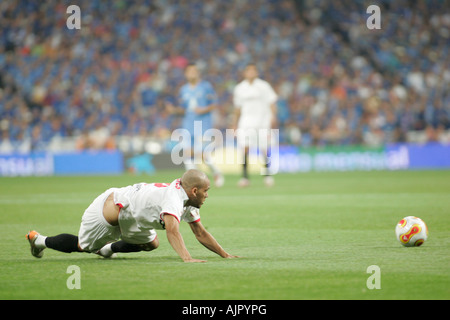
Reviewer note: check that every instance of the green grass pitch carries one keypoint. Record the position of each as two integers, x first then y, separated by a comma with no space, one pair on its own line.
311,236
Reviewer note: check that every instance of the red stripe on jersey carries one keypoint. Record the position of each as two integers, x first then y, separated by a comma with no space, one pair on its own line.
171,214
161,185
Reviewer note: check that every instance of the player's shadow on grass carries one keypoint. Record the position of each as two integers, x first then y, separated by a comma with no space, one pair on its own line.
82,258
85,258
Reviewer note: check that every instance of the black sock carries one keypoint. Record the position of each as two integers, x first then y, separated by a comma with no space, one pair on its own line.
64,242
122,246
268,159
267,166
244,171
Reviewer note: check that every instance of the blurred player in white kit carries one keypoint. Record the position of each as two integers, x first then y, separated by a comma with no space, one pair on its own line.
255,114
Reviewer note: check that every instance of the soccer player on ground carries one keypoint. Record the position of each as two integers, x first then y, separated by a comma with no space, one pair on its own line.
197,100
133,213
255,113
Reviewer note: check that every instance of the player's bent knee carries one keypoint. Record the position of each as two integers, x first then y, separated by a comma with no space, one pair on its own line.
154,244
80,249
151,245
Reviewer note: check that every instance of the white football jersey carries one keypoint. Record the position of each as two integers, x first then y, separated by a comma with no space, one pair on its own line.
147,203
254,100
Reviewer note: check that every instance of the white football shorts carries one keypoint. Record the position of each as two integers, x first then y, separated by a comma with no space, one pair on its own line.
259,138
95,231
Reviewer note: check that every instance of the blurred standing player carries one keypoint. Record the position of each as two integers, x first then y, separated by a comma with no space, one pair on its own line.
255,112
197,101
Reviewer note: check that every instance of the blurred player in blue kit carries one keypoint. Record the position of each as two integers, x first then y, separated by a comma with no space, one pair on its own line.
197,101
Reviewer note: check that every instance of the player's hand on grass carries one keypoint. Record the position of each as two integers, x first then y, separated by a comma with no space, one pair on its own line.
230,256
193,260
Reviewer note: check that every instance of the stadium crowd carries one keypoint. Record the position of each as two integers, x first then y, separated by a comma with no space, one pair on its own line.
338,82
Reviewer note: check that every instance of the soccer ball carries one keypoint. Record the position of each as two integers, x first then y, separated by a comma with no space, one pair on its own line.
411,231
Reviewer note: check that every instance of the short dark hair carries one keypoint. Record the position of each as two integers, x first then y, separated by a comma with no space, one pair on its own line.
191,64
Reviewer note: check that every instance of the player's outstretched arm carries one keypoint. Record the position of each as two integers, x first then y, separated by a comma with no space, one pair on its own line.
175,110
176,240
237,115
206,239
205,110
